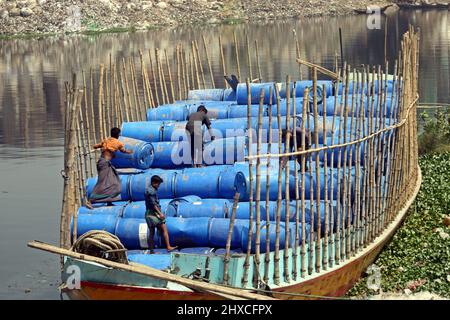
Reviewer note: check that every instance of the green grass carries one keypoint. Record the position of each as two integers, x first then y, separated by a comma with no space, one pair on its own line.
417,251
27,35
231,21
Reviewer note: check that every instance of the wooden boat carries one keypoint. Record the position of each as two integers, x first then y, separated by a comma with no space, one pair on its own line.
102,283
325,265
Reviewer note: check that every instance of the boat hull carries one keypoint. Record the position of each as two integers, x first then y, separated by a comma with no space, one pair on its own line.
334,282
99,291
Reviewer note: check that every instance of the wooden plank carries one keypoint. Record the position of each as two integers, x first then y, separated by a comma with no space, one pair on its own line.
147,271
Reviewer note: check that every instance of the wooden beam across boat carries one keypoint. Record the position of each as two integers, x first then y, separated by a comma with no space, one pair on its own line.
223,291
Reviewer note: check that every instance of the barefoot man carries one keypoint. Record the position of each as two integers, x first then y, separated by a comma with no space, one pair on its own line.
153,215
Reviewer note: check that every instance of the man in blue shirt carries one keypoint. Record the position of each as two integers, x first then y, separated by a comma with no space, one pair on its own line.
153,215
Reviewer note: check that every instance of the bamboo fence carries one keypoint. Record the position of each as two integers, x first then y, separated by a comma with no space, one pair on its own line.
370,167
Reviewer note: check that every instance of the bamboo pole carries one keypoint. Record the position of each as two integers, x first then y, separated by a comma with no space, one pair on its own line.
79,175
303,250
179,66
230,234
105,103
91,105
269,147
258,192
332,209
69,192
88,129
371,162
350,236
355,207
196,61
249,60
186,83
320,69
311,206
145,91
345,176
279,197
286,182
325,251
152,69
257,61
136,104
129,107
250,173
209,62
222,58
169,72
119,112
162,79
191,65
100,103
339,231
124,97
197,52
236,48
297,51
317,160
297,191
141,108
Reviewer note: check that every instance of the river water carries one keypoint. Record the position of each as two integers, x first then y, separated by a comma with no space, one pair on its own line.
32,75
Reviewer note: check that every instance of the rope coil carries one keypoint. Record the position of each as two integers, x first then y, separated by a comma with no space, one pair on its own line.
101,244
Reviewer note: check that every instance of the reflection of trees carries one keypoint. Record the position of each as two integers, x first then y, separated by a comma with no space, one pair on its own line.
32,72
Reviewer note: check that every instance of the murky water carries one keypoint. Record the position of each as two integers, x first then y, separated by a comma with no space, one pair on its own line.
32,75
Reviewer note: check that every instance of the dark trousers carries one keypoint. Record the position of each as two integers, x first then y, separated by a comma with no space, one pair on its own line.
196,144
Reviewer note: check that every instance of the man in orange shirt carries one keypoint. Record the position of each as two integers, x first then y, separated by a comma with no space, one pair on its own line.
108,186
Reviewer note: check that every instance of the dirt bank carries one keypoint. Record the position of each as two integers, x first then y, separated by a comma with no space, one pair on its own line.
56,16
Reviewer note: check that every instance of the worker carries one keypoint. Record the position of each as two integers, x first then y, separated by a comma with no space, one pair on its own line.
153,214
108,187
299,141
194,132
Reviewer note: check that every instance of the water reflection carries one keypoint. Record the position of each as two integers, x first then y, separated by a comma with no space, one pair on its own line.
32,75
32,72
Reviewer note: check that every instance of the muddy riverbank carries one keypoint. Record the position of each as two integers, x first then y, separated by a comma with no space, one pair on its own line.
30,17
